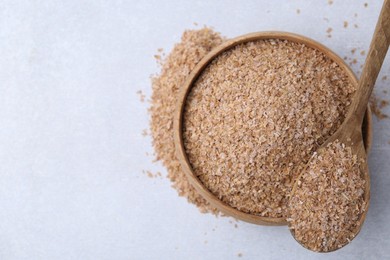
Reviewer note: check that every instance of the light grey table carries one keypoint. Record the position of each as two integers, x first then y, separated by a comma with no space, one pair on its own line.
71,146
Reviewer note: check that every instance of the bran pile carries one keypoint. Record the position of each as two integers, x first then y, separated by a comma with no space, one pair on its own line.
194,45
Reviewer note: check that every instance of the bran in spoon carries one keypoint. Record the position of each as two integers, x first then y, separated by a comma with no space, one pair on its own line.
326,206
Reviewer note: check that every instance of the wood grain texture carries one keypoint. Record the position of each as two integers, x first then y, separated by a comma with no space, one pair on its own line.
182,96
375,57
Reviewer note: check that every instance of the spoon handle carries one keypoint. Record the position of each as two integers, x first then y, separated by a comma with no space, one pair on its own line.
376,55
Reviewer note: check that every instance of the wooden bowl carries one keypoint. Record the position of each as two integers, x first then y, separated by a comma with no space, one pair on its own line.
182,96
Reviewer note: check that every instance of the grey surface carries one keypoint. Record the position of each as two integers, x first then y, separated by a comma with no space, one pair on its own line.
71,148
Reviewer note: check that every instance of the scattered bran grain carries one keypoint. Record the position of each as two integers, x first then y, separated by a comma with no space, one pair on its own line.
328,31
383,103
144,132
377,105
326,207
151,175
141,96
254,117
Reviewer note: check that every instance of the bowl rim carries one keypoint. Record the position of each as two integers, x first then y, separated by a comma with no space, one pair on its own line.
187,86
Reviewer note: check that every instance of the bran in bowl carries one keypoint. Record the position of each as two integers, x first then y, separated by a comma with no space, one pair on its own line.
254,117
322,98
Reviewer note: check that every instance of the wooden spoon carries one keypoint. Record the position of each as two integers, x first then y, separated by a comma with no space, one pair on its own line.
350,132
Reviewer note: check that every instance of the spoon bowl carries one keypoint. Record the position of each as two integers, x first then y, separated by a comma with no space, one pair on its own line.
350,137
